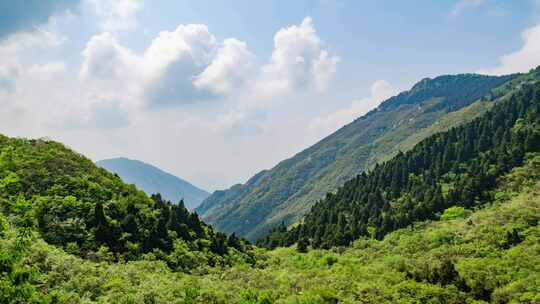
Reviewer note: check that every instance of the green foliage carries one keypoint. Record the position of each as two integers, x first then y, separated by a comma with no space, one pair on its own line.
465,260
92,213
455,212
17,279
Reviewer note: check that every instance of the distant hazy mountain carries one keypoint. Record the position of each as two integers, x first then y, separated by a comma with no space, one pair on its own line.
152,180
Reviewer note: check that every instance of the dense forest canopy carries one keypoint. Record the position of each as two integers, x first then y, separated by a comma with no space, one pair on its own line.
88,211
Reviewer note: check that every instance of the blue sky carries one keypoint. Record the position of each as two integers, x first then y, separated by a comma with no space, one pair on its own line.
214,91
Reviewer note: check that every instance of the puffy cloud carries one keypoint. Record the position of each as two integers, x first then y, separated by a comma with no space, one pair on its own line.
189,65
174,60
107,63
522,60
324,69
116,15
298,60
183,66
324,125
16,45
19,16
106,60
229,69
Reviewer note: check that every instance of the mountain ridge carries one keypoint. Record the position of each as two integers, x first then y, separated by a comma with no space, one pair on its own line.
152,180
287,191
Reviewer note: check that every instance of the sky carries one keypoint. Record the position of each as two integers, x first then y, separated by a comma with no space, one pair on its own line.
215,91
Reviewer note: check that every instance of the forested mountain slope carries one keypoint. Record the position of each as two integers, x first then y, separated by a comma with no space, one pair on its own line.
459,167
489,256
90,212
287,191
153,180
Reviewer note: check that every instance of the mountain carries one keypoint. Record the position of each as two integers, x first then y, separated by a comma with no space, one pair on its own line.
154,180
454,170
287,191
489,255
455,219
75,205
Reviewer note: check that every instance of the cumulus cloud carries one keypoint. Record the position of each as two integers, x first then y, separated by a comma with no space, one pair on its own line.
179,67
19,42
173,61
108,64
522,60
117,15
189,65
20,16
16,45
230,68
298,60
380,91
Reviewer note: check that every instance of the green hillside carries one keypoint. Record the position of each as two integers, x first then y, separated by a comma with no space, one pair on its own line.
489,256
92,213
153,180
287,191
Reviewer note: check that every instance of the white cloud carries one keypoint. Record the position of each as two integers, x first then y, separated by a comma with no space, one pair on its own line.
229,69
324,125
116,15
183,66
107,62
462,5
324,69
16,46
174,60
522,60
189,65
298,61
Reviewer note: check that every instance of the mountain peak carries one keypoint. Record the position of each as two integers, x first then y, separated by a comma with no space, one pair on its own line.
152,179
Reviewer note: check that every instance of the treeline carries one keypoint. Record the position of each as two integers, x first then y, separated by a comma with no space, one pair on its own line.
455,168
458,90
94,214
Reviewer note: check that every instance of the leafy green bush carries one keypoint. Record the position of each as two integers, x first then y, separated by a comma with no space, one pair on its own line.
455,212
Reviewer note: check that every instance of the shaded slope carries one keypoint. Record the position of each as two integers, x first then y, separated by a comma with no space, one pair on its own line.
153,180
287,191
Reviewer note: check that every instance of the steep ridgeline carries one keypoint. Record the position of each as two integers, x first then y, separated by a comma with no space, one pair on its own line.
92,213
457,168
287,191
153,180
